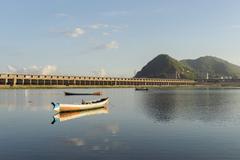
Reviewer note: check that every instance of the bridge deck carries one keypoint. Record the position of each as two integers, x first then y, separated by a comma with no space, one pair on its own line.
60,80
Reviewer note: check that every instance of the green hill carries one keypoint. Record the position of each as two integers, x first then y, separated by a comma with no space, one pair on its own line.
164,66
213,66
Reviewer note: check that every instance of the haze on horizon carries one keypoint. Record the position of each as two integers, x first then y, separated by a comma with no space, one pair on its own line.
113,37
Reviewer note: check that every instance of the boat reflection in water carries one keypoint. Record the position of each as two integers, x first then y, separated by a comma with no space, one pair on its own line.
66,116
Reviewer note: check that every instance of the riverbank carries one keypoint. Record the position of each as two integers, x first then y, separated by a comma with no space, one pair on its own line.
84,86
200,86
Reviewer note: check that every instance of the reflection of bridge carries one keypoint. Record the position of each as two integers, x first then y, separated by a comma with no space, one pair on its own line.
80,81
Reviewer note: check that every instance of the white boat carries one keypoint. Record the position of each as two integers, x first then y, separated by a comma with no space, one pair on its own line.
58,107
66,116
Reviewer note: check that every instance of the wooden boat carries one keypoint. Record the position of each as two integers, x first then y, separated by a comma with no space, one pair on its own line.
85,105
141,89
82,94
66,116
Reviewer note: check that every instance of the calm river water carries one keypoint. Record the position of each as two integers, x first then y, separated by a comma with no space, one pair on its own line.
154,124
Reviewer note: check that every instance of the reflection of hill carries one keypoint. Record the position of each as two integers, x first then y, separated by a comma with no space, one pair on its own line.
65,116
160,107
204,105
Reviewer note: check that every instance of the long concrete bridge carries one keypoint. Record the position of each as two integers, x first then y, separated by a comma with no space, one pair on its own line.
29,80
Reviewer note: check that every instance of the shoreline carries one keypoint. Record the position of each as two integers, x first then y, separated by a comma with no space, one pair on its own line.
197,86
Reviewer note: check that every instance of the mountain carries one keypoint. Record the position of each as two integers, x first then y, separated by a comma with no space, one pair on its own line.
164,66
213,66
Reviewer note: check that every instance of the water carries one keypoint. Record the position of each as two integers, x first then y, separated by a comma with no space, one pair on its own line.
157,124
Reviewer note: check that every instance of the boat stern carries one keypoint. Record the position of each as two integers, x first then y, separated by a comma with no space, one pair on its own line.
56,107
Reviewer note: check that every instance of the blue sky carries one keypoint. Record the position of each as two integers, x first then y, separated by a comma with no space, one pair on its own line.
117,37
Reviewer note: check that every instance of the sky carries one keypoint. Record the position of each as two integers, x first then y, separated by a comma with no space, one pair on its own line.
112,37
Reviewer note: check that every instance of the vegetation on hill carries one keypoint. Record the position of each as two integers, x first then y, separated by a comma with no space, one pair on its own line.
214,67
164,66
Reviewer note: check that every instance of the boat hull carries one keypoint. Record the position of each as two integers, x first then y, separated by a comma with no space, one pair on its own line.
141,89
79,107
65,116
82,94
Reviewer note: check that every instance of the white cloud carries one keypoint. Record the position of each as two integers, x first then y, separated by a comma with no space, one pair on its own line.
98,26
77,32
100,73
11,69
112,45
101,28
107,27
49,69
103,73
34,69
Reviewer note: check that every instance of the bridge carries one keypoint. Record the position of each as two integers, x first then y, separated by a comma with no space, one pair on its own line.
30,80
